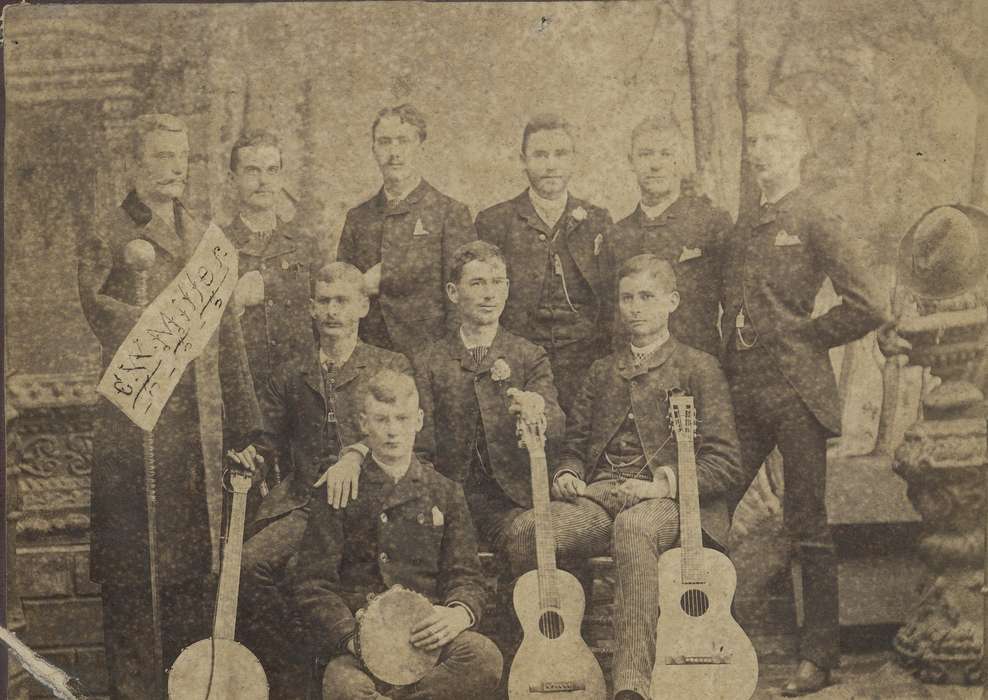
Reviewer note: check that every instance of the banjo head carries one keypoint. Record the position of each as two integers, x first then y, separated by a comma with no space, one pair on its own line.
217,669
382,634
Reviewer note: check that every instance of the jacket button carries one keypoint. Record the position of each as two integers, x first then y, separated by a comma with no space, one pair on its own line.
631,416
542,237
273,342
383,557
384,517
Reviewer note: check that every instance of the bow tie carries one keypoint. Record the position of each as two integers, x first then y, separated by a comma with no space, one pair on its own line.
478,353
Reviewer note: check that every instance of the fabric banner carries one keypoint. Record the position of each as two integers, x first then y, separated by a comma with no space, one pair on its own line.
172,332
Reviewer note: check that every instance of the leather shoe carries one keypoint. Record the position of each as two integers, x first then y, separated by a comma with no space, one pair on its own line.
809,678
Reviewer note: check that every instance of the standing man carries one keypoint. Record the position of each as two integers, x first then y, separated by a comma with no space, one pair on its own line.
410,526
615,484
310,412
212,408
402,239
559,255
679,226
777,358
276,260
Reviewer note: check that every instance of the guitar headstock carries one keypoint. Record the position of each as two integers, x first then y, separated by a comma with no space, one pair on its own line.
682,416
531,435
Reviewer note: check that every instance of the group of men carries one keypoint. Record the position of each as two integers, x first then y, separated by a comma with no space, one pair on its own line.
389,383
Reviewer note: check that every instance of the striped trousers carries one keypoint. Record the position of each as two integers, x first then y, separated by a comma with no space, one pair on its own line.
598,524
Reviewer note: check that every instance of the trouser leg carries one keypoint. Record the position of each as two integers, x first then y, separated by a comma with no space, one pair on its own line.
268,622
469,667
641,534
803,444
346,679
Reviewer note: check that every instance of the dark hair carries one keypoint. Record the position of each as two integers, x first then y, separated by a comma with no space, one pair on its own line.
546,122
407,114
339,271
660,270
389,386
660,124
474,250
253,139
149,123
776,109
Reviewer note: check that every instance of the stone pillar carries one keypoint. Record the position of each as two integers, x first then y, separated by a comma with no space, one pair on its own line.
942,459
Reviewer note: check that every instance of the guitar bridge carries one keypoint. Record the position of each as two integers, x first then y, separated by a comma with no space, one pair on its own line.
712,660
556,687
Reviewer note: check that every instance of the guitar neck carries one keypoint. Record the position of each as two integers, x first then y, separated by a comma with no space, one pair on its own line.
228,591
690,532
545,541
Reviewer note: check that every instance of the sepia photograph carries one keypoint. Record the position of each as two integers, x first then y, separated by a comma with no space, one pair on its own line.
590,350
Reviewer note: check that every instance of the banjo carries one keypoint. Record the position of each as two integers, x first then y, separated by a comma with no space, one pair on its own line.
219,668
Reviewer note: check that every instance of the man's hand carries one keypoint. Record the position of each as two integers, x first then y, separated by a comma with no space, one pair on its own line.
440,628
567,487
634,491
372,281
250,289
529,405
342,479
249,461
891,343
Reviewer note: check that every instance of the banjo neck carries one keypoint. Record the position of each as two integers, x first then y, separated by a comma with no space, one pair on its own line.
228,591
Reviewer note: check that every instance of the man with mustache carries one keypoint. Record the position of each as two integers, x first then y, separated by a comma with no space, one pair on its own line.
276,260
311,410
403,238
678,225
558,251
212,408
777,357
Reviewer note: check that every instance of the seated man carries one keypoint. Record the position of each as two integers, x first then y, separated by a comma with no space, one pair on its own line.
383,539
310,410
616,480
472,385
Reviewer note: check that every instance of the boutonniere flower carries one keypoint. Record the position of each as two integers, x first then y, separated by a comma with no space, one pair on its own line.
579,214
500,370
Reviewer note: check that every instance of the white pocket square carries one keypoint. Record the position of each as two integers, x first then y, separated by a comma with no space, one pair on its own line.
420,230
437,517
690,254
782,239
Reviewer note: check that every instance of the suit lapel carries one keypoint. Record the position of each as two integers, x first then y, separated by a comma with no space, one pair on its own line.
409,487
352,367
312,374
526,210
152,227
576,234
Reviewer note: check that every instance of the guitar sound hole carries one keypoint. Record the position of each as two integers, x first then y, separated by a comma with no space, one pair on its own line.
694,603
551,624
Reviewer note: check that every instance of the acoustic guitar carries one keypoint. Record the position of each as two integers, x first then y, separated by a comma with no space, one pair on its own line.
553,660
701,652
219,668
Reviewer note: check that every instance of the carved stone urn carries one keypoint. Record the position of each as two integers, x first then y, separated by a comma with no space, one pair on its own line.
942,459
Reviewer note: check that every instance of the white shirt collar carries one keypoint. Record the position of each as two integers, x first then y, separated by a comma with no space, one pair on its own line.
394,197
651,347
396,473
549,210
486,339
326,359
658,210
789,187
253,226
164,211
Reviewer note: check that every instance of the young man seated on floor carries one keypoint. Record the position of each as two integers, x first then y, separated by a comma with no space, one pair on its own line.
409,526
615,484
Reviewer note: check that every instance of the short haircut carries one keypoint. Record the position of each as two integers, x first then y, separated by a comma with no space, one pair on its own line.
474,250
783,113
546,122
339,272
389,386
149,123
407,114
253,139
656,123
658,269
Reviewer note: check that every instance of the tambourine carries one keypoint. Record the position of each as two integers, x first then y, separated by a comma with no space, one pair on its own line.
383,631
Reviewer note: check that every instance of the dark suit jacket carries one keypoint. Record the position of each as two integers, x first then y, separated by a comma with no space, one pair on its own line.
212,408
454,392
279,329
414,268
776,262
689,234
614,384
515,228
416,533
294,409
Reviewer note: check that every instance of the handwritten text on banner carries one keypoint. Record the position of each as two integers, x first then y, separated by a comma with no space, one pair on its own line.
172,332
